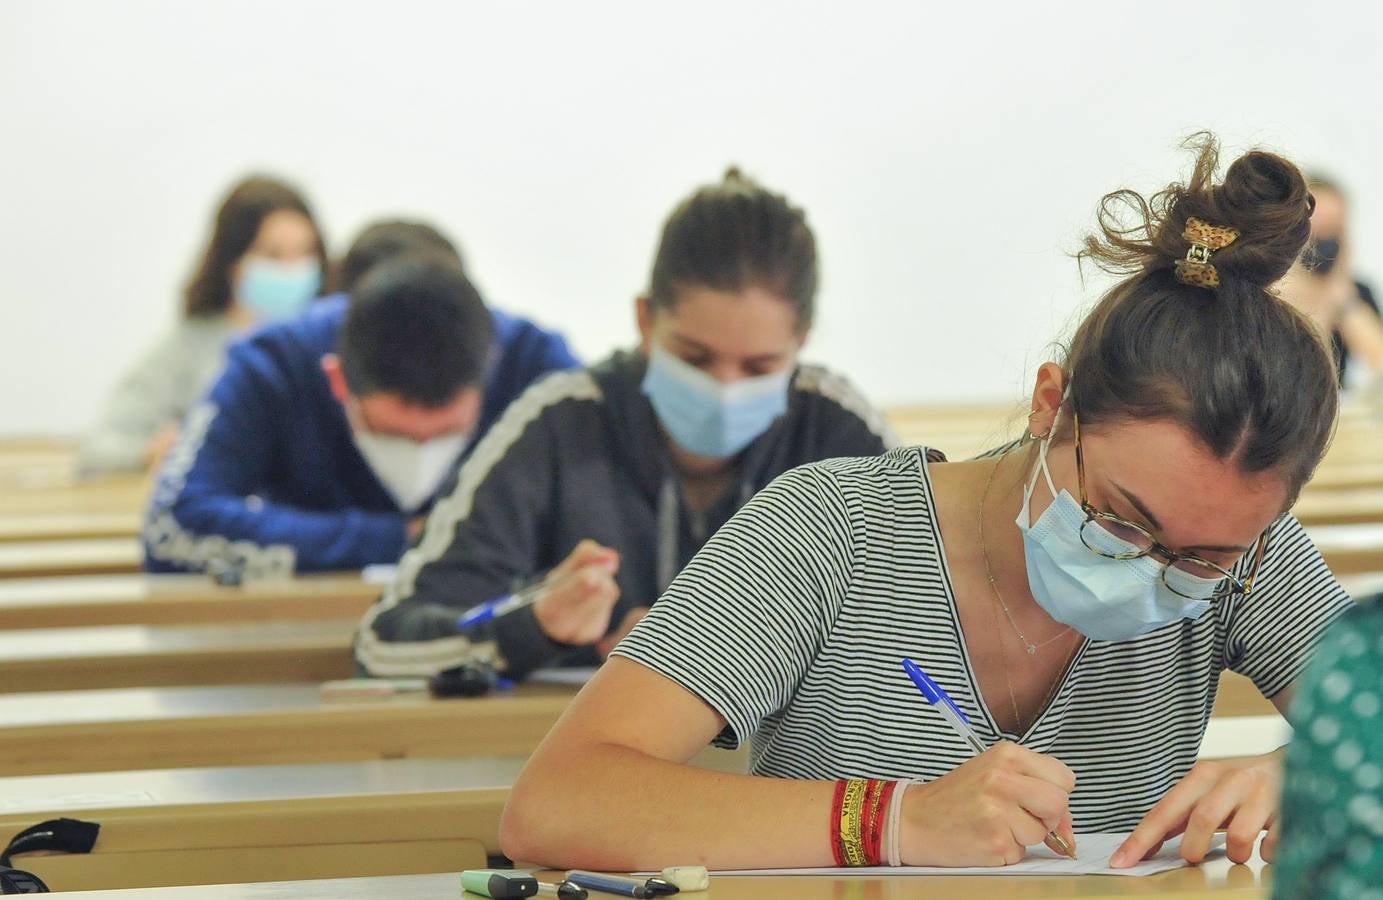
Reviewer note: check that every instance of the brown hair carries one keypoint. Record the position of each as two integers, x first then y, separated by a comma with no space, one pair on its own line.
384,240
249,203
735,235
1240,368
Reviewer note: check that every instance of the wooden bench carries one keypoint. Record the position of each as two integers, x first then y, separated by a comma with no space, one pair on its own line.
203,826
89,600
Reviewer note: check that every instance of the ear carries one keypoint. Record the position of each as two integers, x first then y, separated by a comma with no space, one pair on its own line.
472,404
336,379
643,316
1046,398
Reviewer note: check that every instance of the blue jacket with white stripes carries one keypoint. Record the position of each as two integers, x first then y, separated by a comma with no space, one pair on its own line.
579,456
265,475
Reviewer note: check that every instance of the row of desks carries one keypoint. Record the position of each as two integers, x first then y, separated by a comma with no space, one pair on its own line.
136,728
385,817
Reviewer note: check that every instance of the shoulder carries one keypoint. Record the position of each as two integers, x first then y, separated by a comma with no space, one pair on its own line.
868,478
553,394
297,344
511,329
818,385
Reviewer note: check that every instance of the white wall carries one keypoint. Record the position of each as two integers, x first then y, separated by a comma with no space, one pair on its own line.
947,153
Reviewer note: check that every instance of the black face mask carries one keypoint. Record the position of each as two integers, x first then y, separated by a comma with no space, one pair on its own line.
1324,252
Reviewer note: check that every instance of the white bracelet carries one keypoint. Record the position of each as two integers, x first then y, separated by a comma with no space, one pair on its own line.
894,823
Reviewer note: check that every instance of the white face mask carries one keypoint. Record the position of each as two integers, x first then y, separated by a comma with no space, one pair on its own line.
411,471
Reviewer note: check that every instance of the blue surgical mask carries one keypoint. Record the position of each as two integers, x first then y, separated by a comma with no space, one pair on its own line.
1102,598
277,290
708,417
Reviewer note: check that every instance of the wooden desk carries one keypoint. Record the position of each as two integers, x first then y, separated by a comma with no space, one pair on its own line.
204,826
1217,880
1350,549
42,496
1362,506
60,659
44,559
105,730
69,525
112,730
177,599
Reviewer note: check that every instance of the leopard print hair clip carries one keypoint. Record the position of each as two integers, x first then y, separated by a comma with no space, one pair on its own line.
1196,269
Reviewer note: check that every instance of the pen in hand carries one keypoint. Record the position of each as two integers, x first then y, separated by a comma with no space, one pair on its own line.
958,721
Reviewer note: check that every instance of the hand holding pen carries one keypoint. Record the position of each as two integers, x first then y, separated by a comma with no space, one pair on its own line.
572,604
989,810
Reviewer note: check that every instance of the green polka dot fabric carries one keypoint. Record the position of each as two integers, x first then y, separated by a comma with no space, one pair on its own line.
1332,799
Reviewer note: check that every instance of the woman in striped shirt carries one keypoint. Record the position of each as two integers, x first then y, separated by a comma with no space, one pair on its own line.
1078,595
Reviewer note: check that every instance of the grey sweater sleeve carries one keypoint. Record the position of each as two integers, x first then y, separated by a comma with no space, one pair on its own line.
154,394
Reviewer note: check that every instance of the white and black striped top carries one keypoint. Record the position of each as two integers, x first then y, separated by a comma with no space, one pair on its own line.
793,620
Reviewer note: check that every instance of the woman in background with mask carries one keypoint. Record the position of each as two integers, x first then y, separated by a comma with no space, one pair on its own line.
1323,285
607,480
1077,596
264,263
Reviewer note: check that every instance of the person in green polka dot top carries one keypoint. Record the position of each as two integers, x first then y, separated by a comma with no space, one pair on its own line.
1332,799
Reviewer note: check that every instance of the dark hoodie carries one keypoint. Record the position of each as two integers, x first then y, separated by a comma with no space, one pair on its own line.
580,455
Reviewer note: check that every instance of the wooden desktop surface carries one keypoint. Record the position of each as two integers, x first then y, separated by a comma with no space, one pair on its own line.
105,730
59,659
91,556
199,826
90,600
118,729
1217,880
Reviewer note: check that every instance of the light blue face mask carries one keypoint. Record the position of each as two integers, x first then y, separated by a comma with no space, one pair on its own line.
273,290
1104,599
707,417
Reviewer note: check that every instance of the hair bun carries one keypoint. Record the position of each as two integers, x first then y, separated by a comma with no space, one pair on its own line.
1263,196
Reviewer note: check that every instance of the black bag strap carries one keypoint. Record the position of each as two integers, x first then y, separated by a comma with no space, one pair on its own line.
62,835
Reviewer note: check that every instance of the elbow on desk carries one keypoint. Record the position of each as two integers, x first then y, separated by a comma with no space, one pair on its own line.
524,825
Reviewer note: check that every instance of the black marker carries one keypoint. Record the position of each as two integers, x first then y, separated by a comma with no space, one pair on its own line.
564,891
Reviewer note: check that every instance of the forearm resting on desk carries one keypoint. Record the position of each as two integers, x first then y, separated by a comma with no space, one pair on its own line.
609,788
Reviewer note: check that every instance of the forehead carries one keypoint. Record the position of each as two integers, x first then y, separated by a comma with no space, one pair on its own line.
1329,214
1198,498
286,228
750,322
390,413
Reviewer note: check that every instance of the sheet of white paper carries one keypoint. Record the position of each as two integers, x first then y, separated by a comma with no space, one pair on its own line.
1092,851
561,676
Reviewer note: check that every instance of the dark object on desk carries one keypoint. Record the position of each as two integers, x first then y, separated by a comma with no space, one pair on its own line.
62,835
473,680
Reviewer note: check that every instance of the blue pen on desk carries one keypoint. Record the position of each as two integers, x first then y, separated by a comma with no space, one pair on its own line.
958,721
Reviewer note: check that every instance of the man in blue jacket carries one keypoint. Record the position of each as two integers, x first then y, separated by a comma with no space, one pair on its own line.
327,437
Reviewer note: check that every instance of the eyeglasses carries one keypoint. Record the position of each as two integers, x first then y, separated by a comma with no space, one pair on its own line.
1144,544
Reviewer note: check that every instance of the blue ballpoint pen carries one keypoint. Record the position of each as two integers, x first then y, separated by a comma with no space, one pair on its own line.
502,606
958,721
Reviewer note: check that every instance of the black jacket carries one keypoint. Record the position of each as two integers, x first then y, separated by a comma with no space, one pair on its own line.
580,455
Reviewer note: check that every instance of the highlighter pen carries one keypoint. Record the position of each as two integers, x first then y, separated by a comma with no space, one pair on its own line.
500,885
618,884
564,891
958,721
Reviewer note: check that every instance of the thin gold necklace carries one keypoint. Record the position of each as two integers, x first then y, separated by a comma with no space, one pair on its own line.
1028,645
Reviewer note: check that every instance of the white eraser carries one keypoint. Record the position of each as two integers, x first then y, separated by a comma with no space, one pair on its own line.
688,878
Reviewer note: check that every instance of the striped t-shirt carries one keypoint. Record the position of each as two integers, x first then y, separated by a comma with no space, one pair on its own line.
793,620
